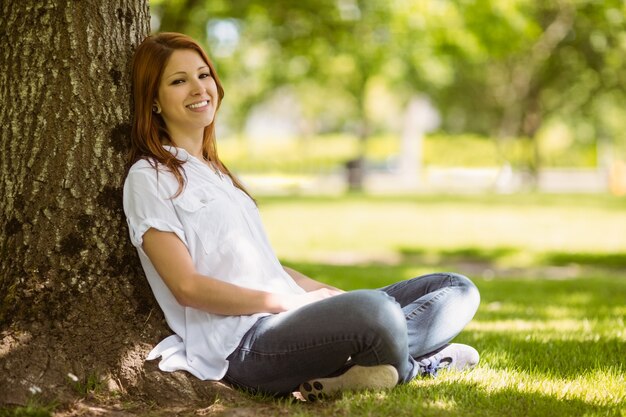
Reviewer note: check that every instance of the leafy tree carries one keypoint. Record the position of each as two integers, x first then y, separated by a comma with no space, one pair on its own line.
309,45
506,69
519,65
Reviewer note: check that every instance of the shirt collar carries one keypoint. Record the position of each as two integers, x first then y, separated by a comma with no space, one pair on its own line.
182,155
179,153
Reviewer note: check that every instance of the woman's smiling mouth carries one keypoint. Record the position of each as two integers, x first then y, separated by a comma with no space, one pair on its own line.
198,105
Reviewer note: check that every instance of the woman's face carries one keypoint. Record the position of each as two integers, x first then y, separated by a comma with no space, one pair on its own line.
187,94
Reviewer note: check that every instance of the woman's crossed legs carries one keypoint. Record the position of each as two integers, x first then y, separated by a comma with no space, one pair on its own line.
394,325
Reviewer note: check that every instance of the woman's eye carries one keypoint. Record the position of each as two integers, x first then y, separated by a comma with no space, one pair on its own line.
179,81
205,75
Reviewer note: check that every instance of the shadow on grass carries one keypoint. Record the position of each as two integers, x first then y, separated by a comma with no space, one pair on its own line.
606,260
488,257
441,397
468,254
590,351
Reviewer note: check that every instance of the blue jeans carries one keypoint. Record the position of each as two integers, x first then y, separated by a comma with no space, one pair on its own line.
392,325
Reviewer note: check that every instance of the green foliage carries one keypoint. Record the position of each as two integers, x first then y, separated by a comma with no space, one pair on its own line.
500,69
328,153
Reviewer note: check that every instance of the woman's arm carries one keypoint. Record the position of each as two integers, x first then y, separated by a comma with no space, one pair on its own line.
170,257
309,284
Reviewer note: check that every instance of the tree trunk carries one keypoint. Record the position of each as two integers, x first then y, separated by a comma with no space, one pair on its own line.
73,298
521,111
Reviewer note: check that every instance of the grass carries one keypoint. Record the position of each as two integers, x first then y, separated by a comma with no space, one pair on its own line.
520,230
551,271
34,408
548,347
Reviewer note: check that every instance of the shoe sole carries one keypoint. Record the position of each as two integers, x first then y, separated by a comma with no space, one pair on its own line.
356,378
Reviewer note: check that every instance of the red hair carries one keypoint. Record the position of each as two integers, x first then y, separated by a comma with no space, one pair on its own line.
149,130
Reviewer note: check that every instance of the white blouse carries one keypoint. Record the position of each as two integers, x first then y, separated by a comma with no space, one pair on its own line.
221,227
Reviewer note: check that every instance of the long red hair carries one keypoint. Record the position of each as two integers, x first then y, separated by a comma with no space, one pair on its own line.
149,130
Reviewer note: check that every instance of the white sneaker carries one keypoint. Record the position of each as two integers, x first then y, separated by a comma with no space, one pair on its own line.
356,378
454,356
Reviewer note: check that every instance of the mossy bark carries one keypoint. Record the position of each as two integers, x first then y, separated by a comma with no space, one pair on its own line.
73,298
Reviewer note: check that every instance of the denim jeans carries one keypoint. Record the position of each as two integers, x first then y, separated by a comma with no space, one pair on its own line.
393,325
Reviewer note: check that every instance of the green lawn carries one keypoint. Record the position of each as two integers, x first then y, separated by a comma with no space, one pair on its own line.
550,269
552,275
548,347
504,230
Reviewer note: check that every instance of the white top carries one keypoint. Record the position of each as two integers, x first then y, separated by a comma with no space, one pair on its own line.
221,227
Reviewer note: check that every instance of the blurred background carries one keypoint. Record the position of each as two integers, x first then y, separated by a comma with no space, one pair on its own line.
429,95
485,136
385,139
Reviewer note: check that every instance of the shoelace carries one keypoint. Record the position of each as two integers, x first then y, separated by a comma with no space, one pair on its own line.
432,369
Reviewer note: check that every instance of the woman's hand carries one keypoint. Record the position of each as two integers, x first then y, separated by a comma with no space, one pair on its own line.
309,284
299,300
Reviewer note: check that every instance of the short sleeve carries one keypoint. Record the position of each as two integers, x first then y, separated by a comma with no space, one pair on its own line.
148,204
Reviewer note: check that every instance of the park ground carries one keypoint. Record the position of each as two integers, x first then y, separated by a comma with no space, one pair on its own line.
552,274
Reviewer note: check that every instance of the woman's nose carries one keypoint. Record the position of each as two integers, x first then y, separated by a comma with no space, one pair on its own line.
197,87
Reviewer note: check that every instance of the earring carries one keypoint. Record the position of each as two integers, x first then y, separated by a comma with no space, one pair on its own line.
156,109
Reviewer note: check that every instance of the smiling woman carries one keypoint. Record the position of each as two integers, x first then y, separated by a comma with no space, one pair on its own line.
173,68
187,99
237,314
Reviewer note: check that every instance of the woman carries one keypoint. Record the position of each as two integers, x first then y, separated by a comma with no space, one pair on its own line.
236,313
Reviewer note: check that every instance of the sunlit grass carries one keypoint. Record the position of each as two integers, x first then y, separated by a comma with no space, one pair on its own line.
564,356
548,348
569,229
551,345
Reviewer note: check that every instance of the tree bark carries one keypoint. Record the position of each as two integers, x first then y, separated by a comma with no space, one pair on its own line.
73,298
